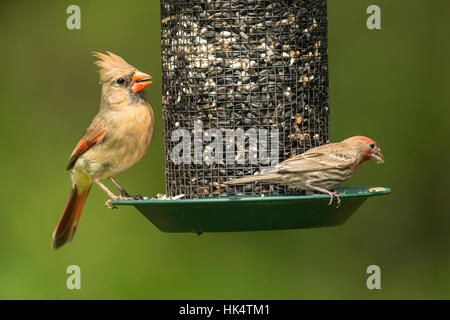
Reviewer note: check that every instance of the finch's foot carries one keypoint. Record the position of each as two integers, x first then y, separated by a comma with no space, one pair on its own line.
338,199
331,199
335,194
331,194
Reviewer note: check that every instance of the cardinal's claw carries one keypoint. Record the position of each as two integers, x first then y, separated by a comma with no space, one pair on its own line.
109,205
126,196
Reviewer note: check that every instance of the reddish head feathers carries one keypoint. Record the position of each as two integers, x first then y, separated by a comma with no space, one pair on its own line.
362,139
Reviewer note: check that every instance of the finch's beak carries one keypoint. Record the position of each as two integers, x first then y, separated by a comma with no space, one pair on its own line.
378,157
140,80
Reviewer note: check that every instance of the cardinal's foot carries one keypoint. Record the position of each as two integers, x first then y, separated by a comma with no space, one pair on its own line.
125,196
109,204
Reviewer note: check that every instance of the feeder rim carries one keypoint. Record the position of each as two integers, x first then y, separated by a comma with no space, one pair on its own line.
344,192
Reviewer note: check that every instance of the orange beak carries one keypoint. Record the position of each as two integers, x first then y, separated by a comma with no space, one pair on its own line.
140,80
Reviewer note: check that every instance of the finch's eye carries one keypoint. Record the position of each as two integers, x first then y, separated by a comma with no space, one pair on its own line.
121,81
372,145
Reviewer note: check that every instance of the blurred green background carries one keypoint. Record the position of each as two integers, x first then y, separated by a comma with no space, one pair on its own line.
391,84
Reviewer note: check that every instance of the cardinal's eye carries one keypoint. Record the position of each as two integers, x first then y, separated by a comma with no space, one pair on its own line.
372,145
121,81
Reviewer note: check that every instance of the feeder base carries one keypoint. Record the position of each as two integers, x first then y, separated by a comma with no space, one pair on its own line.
253,213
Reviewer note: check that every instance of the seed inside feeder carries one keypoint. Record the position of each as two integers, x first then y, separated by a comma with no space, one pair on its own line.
237,64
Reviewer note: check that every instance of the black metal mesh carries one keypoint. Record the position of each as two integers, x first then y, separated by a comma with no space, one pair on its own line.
242,64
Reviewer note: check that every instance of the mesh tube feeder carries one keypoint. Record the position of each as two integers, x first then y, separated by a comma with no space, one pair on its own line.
242,66
244,86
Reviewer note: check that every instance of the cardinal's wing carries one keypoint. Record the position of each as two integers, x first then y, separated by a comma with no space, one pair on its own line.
93,135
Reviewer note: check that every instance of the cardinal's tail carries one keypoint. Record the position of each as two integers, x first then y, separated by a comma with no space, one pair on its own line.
67,224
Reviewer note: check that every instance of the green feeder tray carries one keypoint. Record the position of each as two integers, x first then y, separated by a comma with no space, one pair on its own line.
253,213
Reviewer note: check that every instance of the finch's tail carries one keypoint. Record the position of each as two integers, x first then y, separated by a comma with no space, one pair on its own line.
67,224
255,178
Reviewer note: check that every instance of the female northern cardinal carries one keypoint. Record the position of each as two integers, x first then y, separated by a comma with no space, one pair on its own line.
322,168
117,138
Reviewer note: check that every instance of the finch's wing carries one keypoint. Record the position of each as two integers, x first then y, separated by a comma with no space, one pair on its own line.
93,135
319,158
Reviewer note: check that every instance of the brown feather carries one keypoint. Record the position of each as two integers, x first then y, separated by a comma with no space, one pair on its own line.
67,224
255,178
324,157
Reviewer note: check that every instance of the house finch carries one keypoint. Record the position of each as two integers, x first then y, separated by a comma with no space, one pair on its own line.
117,138
322,168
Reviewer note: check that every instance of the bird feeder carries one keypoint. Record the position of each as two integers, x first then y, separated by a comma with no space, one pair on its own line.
244,86
252,213
254,69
